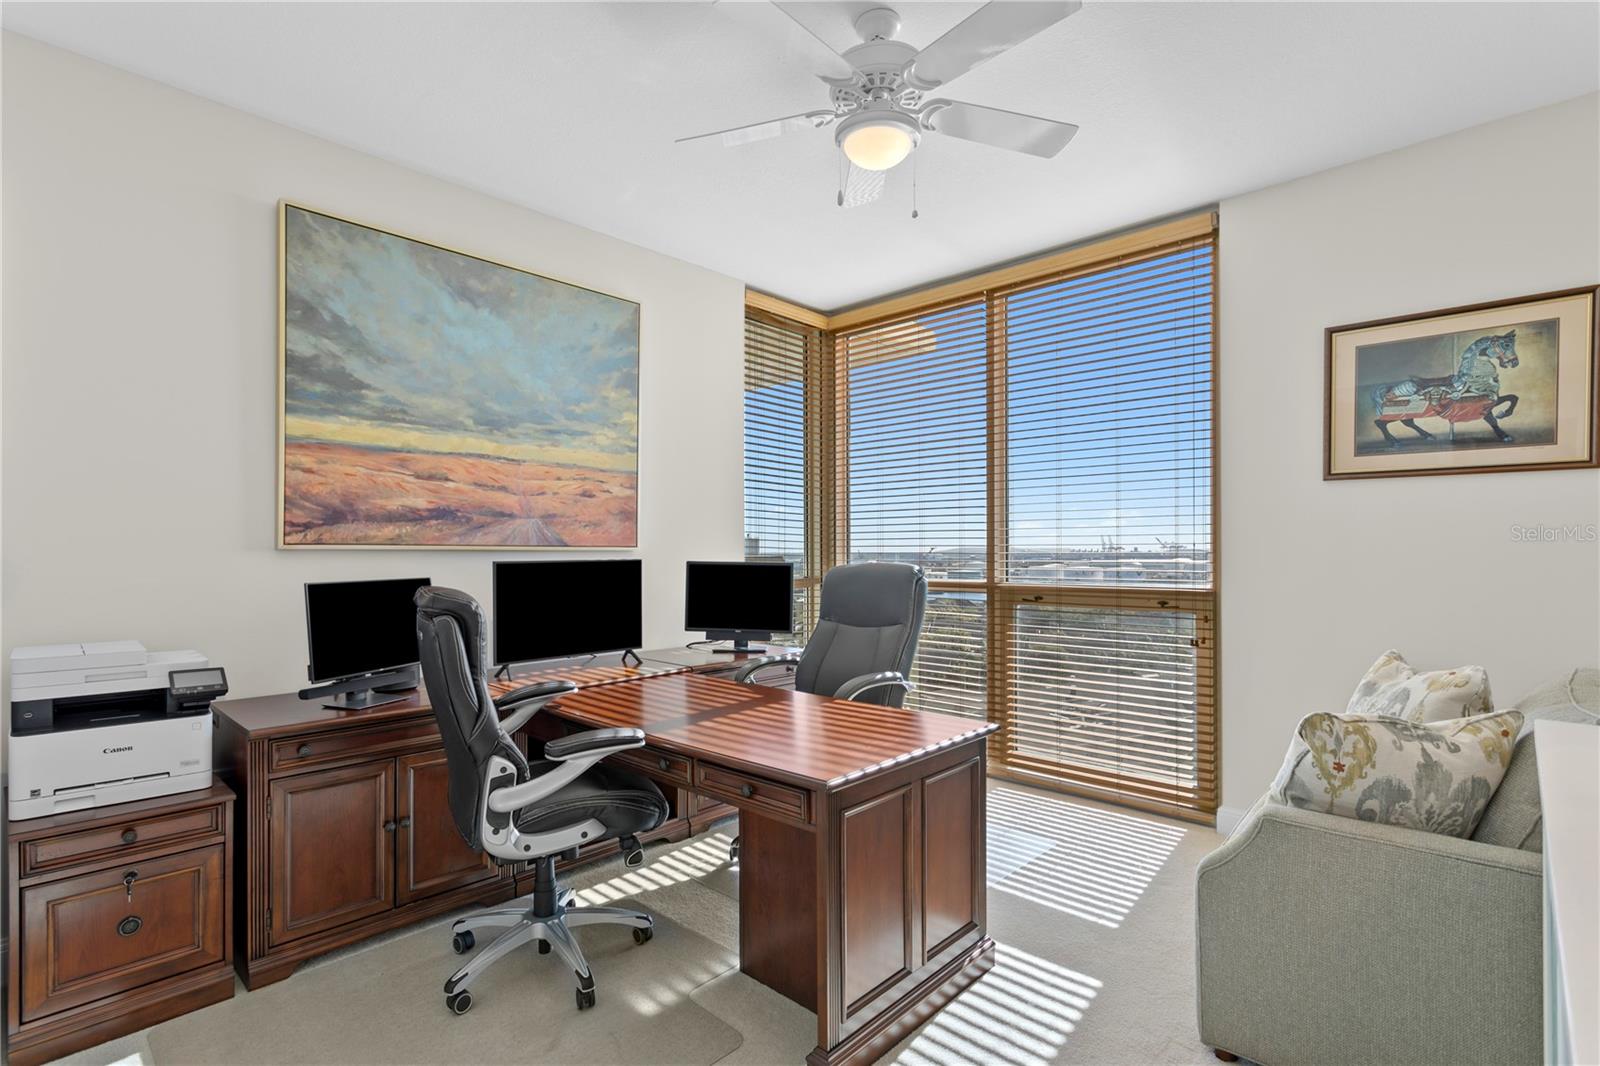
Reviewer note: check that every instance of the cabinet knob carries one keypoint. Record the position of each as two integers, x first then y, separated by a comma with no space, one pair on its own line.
388,827
662,763
405,823
130,925
747,791
303,750
129,836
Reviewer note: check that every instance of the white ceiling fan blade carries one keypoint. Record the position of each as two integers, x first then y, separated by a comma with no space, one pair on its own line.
862,186
1042,137
762,131
984,34
830,64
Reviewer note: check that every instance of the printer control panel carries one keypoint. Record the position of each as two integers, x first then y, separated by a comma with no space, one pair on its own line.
194,690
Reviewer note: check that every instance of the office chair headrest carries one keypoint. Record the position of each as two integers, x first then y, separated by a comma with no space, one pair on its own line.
874,594
434,601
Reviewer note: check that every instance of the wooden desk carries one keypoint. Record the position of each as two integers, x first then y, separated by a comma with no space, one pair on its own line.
862,888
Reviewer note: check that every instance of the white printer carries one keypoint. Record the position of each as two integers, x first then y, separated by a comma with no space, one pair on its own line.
96,724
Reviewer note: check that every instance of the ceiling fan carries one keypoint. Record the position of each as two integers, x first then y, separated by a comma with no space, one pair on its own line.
879,93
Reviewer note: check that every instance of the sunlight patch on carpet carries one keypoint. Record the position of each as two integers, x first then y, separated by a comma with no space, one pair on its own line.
1097,863
1018,1014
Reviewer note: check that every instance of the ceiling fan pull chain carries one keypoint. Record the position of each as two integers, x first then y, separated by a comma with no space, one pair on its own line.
840,201
913,186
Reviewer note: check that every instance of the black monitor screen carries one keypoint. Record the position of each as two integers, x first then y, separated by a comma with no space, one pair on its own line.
361,627
750,597
547,610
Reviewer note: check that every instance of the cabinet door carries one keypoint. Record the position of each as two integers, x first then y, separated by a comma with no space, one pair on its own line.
98,934
331,840
431,856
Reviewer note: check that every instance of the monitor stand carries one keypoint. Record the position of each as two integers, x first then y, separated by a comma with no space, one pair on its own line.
360,701
741,639
360,693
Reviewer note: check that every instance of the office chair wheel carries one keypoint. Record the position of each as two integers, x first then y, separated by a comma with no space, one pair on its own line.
544,947
462,943
459,1003
585,998
643,936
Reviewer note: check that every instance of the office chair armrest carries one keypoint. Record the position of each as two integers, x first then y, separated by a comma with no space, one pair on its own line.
534,697
867,682
572,756
593,744
745,674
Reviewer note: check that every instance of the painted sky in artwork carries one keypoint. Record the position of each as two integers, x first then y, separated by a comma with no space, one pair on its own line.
396,344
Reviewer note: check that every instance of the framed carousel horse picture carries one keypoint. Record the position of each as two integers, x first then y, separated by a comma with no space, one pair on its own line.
1509,385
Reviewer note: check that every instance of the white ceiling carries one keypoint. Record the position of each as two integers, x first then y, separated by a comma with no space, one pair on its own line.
571,109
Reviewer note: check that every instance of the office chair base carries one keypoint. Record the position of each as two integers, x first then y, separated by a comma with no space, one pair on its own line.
553,931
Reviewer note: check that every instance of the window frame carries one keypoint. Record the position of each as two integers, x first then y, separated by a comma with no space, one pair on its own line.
828,502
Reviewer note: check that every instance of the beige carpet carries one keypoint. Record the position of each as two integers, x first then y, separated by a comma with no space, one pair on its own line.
1093,908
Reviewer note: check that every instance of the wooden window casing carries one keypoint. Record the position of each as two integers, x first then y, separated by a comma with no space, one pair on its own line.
1104,685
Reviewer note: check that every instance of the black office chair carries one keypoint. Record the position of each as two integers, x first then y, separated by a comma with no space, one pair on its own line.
870,620
519,812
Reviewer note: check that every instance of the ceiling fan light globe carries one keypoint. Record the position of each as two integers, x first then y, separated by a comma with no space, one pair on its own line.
878,143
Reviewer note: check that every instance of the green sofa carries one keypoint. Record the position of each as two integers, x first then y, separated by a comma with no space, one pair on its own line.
1324,939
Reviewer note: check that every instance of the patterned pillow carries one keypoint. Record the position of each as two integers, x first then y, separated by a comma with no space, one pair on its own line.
1394,689
1434,776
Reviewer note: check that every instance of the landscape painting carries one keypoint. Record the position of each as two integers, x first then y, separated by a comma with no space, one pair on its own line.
432,399
1508,385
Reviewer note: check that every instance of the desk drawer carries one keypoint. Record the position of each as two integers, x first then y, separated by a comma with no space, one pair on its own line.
137,835
754,793
319,748
657,764
85,938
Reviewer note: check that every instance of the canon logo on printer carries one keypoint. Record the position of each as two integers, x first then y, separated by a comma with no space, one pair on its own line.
113,751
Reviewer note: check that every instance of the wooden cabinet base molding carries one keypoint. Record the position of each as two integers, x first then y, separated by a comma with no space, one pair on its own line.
118,918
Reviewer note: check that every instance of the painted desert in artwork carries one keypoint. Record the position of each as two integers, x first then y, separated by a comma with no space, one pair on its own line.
432,399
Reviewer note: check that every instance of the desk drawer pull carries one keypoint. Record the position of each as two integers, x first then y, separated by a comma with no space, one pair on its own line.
303,750
130,835
129,925
747,791
662,763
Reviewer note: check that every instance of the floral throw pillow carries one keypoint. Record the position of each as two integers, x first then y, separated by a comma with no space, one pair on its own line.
1433,776
1393,688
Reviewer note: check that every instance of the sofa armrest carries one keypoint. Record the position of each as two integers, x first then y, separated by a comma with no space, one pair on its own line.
1316,932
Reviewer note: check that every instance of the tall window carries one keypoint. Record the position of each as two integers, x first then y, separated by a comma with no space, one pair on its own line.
780,446
1043,449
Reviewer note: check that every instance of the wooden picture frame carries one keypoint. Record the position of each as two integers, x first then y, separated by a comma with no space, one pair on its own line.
1458,391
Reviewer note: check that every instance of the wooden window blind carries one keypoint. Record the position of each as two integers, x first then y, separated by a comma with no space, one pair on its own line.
914,417
916,438
780,450
1108,671
1042,446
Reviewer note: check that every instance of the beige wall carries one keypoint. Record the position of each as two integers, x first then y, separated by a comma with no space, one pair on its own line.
1320,577
140,365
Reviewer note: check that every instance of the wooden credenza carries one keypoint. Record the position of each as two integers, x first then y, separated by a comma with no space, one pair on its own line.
119,917
344,823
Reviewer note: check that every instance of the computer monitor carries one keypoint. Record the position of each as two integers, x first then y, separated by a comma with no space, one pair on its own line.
740,602
362,639
557,609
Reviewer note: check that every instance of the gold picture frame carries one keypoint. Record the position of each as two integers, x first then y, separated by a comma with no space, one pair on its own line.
385,440
1509,385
